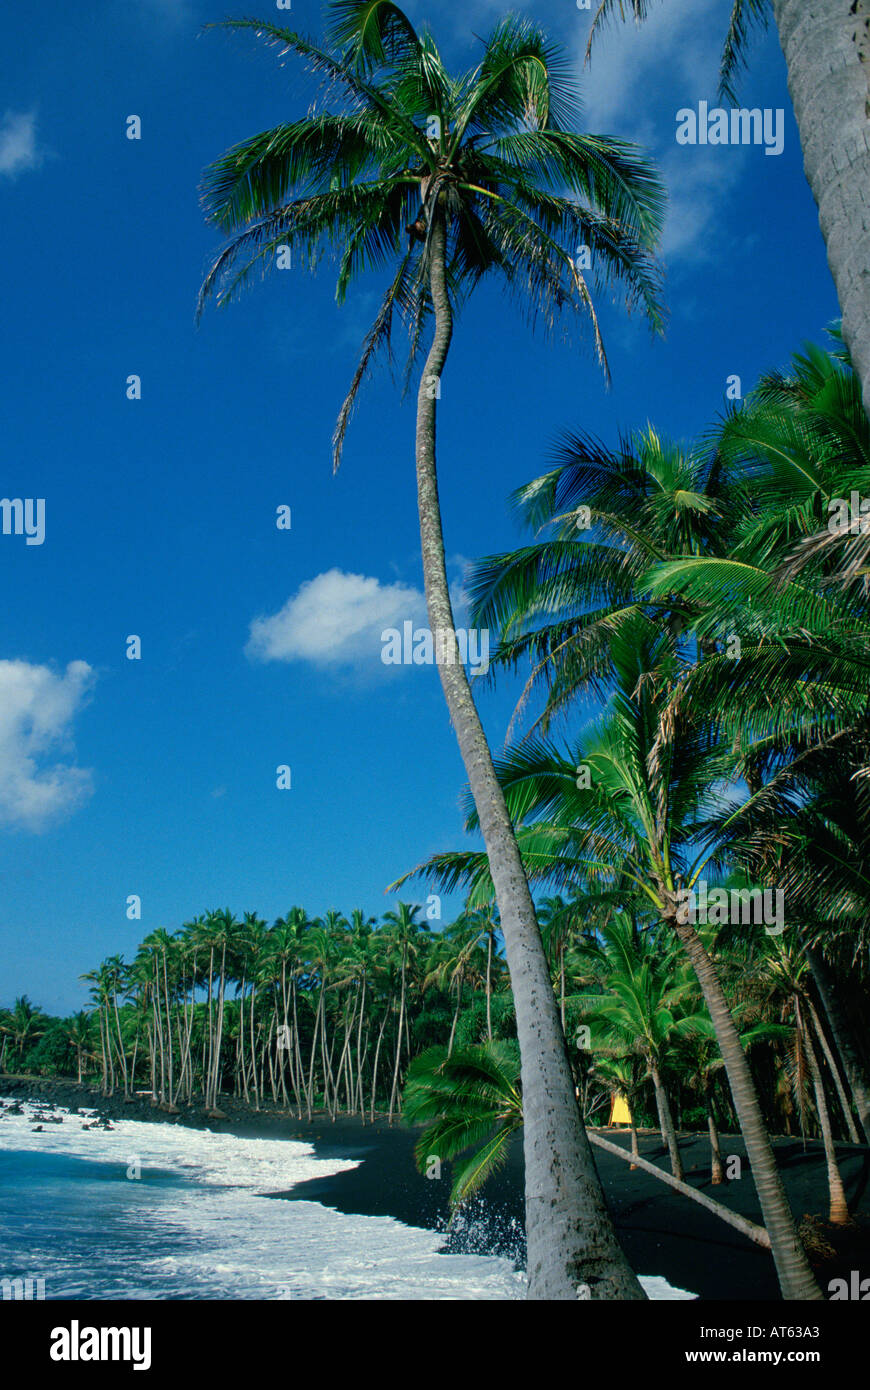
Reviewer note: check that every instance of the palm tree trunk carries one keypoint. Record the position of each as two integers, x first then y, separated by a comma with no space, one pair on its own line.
398,1043
835,1073
216,1076
489,988
824,42
841,1027
569,1232
838,1210
168,1029
359,1103
207,1074
666,1122
455,1016
748,1228
562,985
300,1070
795,1276
375,1068
717,1172
121,1053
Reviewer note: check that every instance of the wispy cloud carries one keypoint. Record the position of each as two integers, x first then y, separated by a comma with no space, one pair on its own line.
176,11
639,77
18,147
37,709
335,620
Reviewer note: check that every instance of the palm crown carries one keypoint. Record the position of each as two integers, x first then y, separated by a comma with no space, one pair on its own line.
520,190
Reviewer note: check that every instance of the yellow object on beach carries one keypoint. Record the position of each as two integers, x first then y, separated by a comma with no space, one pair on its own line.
619,1111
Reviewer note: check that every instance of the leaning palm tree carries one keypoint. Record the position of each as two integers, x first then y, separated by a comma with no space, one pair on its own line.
450,179
827,53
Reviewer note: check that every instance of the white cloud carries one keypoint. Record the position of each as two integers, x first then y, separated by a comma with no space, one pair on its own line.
37,708
335,620
18,149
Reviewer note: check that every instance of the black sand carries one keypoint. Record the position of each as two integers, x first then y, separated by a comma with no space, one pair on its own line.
661,1231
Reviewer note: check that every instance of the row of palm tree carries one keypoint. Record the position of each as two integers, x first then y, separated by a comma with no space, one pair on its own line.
650,1038
311,1013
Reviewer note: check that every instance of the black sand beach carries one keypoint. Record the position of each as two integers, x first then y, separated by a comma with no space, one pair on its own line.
663,1232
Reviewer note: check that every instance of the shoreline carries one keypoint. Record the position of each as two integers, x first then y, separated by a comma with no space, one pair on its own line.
662,1232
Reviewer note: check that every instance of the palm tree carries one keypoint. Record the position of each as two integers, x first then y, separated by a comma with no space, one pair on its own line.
609,514
79,1032
452,178
404,931
23,1024
452,965
641,1008
780,972
827,51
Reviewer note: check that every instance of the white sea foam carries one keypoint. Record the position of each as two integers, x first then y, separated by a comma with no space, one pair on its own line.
229,1241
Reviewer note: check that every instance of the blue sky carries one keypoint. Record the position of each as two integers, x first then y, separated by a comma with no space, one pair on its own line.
157,777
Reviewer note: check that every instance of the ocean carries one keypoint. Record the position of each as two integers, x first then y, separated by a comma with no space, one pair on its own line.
161,1211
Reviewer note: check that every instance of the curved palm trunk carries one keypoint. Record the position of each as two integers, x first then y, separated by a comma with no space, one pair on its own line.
717,1171
300,1070
122,1056
841,1028
455,1016
377,1055
169,1071
838,1207
398,1043
569,1232
824,42
796,1279
835,1073
216,1073
489,989
748,1228
359,1103
666,1122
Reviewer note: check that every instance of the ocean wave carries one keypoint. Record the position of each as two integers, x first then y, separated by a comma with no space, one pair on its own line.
216,1235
